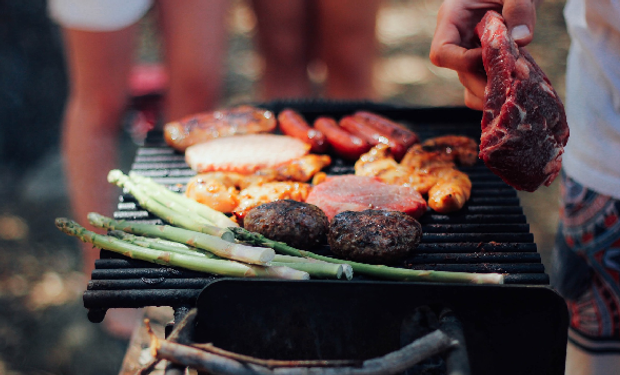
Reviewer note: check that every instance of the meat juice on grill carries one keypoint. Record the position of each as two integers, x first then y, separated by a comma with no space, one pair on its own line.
524,127
357,193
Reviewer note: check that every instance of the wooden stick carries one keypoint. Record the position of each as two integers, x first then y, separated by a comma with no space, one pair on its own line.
392,363
271,363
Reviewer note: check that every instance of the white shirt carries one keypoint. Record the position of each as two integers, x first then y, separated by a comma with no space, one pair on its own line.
592,155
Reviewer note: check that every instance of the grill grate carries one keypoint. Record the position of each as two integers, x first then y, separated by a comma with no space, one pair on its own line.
490,234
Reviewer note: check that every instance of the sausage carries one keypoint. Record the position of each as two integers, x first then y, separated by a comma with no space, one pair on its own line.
389,128
346,145
205,126
362,129
294,125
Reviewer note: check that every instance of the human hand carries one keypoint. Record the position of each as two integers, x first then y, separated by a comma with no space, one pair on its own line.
456,46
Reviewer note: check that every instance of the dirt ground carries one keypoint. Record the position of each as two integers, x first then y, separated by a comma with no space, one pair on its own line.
43,325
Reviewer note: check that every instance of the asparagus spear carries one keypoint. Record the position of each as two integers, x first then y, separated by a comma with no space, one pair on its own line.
314,268
379,271
176,259
178,216
213,244
165,196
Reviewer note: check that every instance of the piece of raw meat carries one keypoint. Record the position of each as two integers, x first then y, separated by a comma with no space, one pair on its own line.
524,127
358,193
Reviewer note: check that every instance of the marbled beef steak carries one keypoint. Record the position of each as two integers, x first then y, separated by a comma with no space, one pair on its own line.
524,127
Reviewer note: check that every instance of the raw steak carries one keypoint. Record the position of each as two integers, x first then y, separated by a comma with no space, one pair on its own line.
524,128
357,193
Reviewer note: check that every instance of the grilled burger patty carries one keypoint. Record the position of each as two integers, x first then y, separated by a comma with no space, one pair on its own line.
373,236
300,225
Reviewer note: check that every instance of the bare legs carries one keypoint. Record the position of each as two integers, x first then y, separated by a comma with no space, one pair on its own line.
292,33
99,64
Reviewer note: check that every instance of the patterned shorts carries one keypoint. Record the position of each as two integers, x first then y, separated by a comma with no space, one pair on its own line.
586,266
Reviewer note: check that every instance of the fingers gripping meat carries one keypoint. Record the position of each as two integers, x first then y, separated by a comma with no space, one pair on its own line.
293,124
205,126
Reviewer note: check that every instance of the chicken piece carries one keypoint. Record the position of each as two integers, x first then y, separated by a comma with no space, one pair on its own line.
424,160
260,193
378,162
442,152
448,188
237,192
301,169
451,191
220,190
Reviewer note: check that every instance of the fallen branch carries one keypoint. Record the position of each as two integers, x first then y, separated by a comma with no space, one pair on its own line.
217,363
271,363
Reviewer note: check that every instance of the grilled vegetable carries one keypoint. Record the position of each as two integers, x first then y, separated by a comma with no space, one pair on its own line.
314,268
379,271
177,259
215,245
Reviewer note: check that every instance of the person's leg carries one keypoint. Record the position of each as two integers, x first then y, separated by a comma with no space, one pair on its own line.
195,40
99,64
585,272
348,46
282,31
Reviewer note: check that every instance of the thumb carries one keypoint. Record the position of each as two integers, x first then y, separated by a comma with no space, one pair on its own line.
520,16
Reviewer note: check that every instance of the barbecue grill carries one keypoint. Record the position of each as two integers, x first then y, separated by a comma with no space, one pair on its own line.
519,327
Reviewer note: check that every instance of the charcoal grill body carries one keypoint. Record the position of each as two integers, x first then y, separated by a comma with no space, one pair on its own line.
490,234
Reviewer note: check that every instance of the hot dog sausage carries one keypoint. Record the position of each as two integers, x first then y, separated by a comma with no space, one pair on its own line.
346,145
362,129
294,125
389,128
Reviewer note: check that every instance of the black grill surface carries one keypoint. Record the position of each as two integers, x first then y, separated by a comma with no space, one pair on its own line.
490,234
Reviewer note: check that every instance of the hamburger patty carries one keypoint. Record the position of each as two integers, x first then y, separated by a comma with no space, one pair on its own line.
300,225
374,236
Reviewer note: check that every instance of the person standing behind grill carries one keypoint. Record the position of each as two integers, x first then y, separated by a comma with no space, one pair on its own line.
99,39
586,255
293,34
